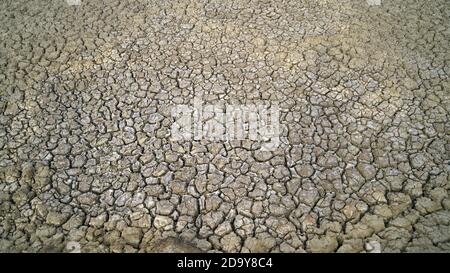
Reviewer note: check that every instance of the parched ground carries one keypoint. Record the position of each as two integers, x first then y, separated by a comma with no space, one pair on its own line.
85,99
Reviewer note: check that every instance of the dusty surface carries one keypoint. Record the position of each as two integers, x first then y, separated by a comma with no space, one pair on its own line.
86,93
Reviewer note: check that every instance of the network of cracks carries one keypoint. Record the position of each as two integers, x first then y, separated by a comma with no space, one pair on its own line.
86,93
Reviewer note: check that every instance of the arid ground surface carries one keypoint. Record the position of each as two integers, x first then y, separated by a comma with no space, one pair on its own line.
86,92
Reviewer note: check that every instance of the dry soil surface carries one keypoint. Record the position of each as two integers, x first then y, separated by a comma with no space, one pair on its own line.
85,115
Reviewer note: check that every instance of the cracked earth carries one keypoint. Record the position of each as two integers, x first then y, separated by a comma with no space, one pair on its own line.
85,96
